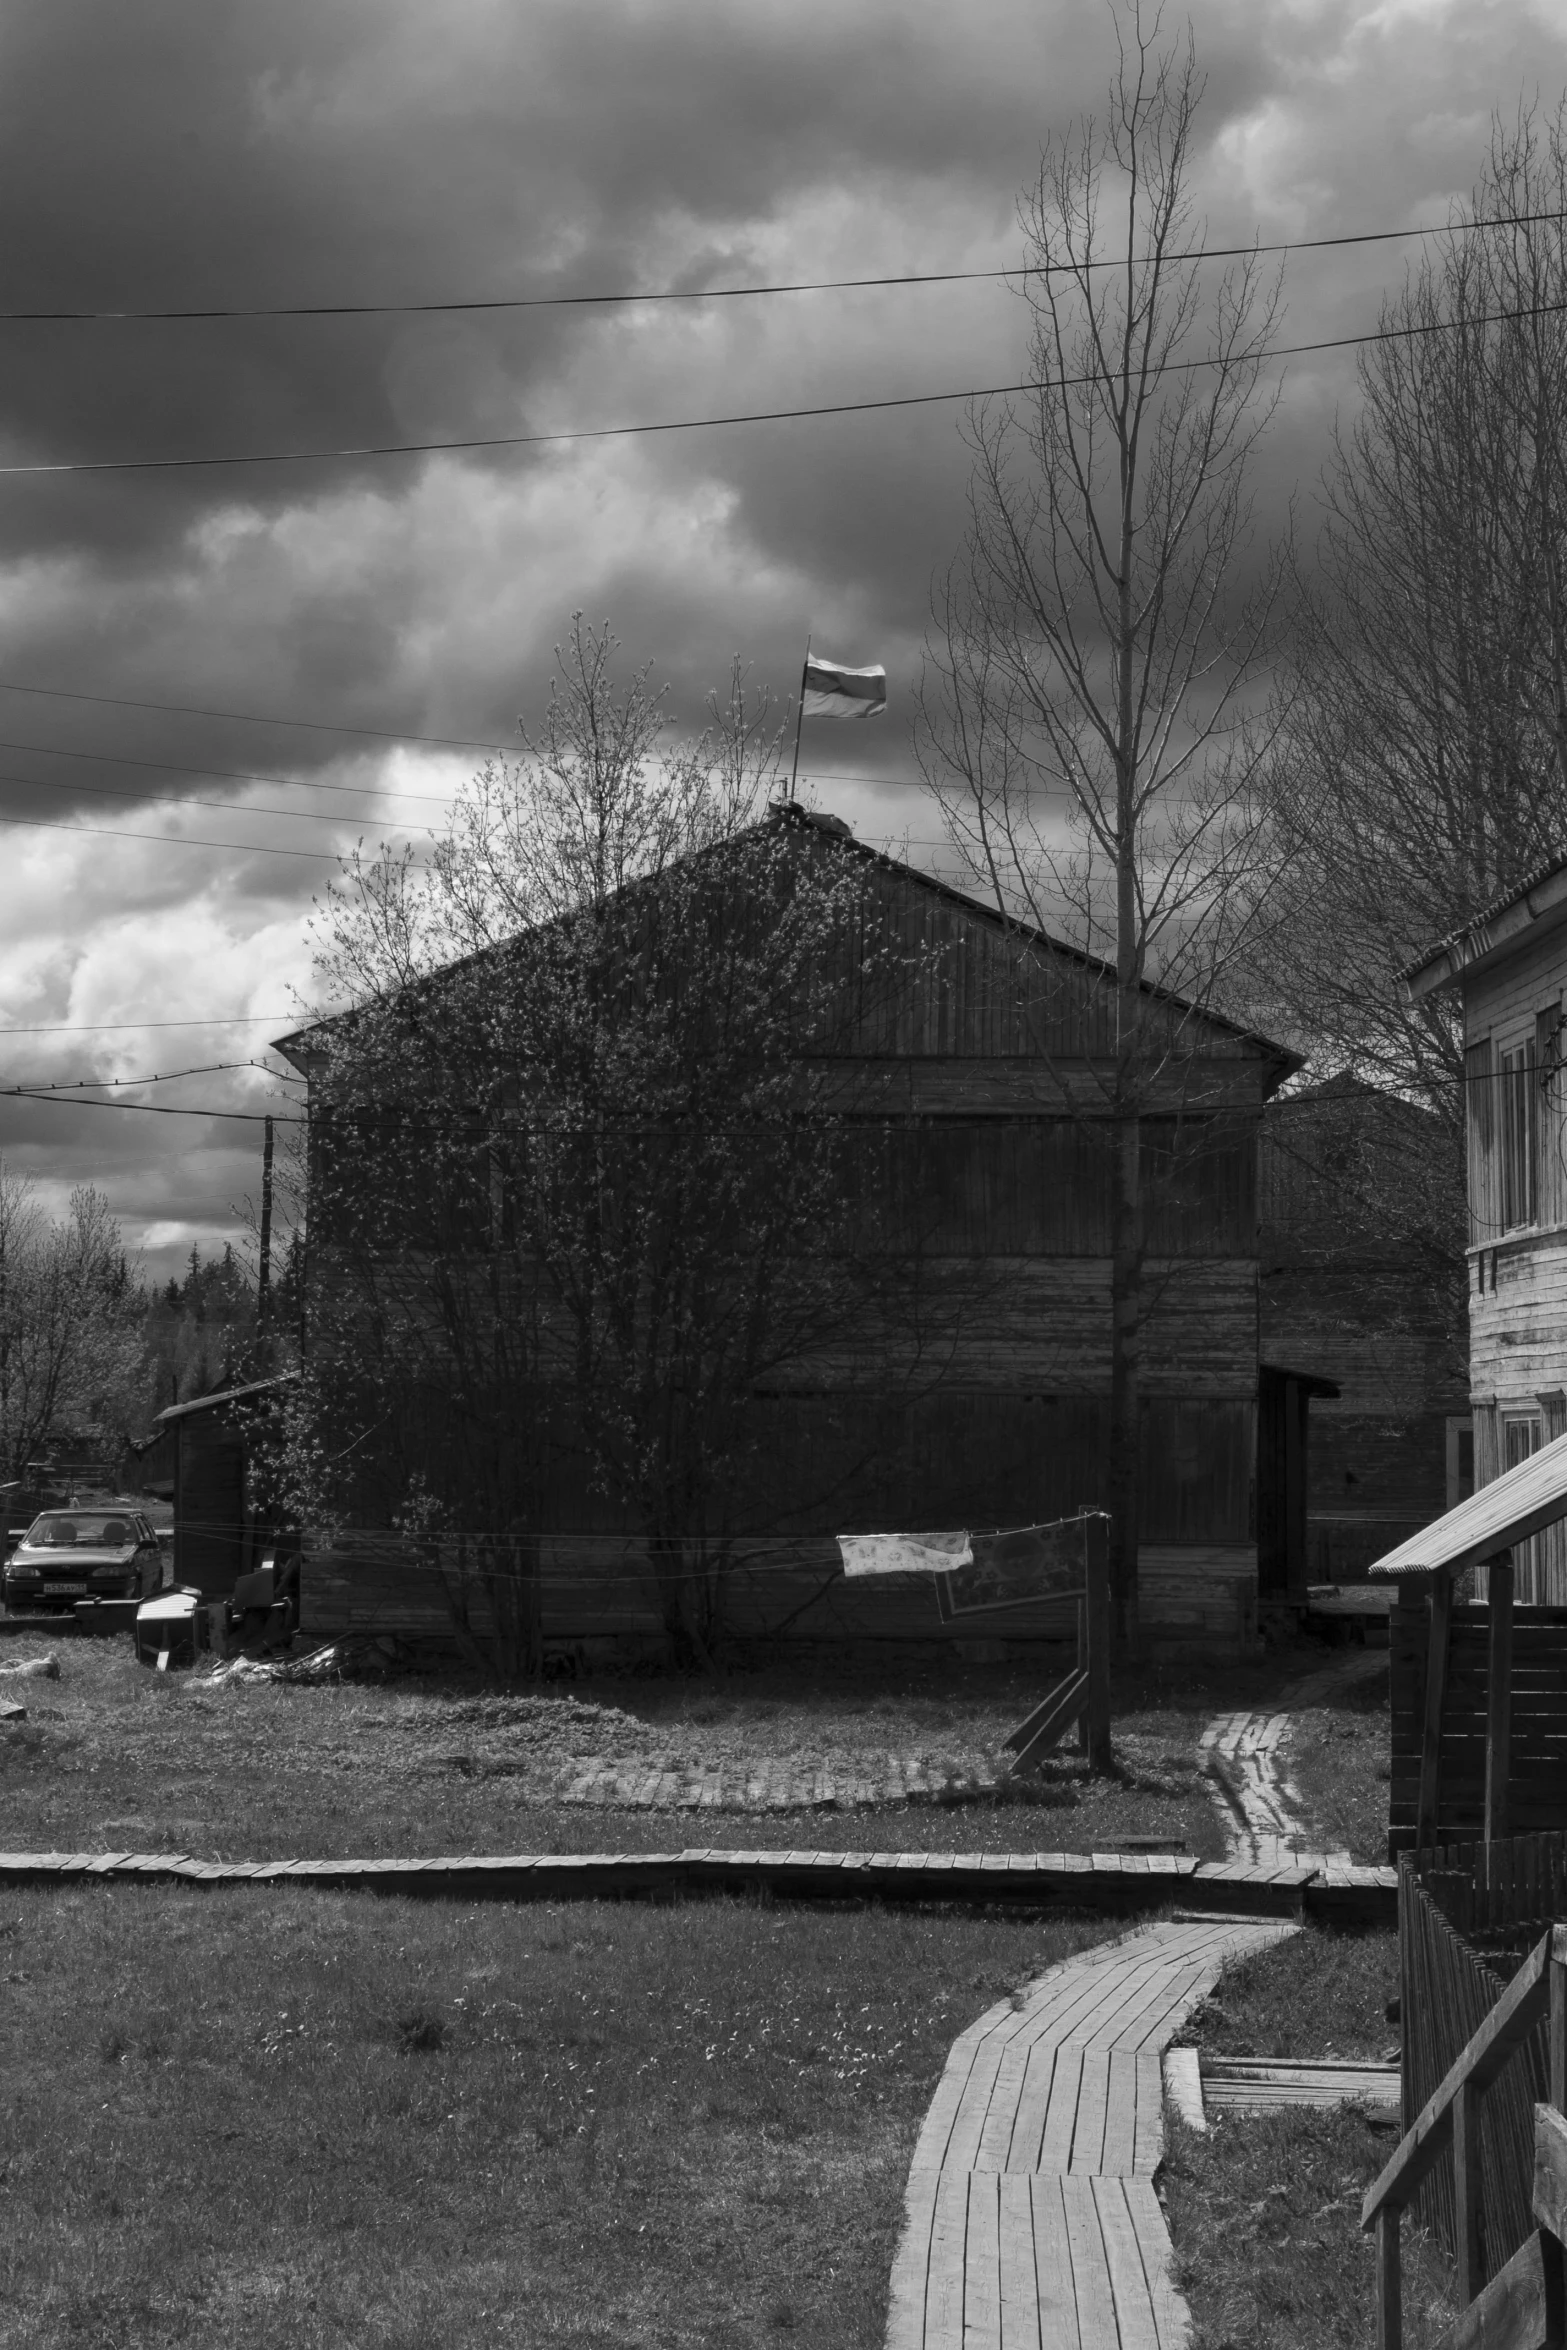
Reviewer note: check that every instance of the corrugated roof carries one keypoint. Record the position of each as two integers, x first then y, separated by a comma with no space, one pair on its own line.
1489,913
1508,1510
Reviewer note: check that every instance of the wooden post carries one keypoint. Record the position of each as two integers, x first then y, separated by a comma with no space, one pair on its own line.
1466,2191
1082,1666
1499,1695
1436,1688
1557,2079
1390,2316
1096,1562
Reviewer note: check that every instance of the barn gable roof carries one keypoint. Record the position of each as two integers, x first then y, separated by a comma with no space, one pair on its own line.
968,913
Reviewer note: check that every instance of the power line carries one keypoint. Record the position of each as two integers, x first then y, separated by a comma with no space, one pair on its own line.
444,742
827,285
153,799
65,1101
361,791
116,1027
244,848
170,1077
171,840
374,791
618,432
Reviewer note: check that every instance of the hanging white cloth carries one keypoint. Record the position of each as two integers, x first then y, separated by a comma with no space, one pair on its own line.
904,1554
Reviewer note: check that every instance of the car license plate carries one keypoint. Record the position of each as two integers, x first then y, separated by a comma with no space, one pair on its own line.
65,1591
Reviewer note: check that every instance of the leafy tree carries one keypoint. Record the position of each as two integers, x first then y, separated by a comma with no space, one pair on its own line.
576,1178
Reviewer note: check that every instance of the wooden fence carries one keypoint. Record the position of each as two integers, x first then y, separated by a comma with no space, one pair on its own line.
1467,1914
1537,1776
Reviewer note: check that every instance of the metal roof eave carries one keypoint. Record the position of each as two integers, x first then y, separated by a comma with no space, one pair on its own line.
1502,1514
1541,903
226,1395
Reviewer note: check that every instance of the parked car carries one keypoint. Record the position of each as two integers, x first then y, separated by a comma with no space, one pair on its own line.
67,1555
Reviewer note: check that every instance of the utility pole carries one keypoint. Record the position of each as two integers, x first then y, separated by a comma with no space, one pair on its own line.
264,1276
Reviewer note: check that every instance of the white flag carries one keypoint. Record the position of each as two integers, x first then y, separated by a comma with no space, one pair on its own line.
828,690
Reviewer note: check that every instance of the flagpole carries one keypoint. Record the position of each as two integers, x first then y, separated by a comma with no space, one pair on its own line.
799,717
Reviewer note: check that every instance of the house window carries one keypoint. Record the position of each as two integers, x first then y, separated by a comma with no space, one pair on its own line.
1515,1085
1522,1434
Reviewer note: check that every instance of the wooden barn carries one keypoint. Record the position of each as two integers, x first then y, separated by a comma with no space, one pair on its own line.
972,1099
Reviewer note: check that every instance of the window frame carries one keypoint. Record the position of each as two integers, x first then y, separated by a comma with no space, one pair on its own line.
1517,1137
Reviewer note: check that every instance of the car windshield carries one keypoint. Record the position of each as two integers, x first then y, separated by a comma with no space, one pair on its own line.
81,1529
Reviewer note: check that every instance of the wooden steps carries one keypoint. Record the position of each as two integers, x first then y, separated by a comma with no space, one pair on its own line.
1240,2084
1031,2222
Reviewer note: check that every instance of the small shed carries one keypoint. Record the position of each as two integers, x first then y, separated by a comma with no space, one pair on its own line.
199,1455
1478,1690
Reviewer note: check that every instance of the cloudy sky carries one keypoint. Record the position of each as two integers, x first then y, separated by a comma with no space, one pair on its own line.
325,645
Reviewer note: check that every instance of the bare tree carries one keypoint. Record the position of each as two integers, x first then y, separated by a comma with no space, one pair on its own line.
1424,769
70,1323
1087,713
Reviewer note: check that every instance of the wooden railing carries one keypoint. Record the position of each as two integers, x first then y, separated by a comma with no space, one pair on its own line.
1521,2307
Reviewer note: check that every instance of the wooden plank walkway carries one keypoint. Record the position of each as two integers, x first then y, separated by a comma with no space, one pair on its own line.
1257,1799
1113,1882
1031,2221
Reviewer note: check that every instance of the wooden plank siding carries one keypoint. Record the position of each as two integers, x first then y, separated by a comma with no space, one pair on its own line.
1348,1294
1518,1232
603,1590
1537,1778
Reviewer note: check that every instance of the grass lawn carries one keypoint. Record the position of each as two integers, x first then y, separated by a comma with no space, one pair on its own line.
1264,2210
1316,1995
113,1757
1340,1760
275,2119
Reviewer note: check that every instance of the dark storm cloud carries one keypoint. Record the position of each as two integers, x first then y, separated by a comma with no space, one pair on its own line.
179,154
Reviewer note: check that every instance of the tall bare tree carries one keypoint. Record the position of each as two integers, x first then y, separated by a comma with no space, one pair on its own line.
1086,707
1425,763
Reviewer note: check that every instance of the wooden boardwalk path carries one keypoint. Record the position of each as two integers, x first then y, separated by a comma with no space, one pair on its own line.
1031,2221
1117,1882
1244,1755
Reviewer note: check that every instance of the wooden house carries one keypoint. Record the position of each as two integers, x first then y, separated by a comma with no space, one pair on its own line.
977,1089
1509,968
1362,1320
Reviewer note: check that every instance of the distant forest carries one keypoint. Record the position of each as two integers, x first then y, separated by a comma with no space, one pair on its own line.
201,1334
